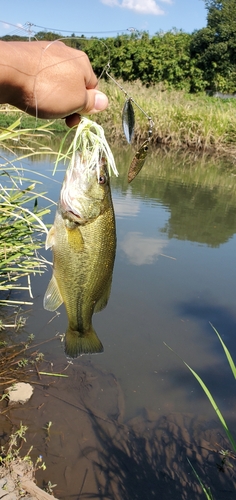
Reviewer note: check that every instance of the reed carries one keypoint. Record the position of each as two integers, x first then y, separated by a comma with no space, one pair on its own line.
21,217
181,120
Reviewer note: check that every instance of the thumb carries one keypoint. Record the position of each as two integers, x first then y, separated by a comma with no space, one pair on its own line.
96,101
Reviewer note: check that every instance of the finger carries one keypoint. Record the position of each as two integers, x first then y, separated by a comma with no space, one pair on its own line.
73,120
96,101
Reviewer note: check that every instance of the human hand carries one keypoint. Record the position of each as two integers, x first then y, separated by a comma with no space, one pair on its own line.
49,80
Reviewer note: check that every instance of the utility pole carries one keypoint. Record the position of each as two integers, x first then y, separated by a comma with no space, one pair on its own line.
29,30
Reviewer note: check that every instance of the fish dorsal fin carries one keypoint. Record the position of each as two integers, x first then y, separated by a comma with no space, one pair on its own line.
52,298
102,302
50,240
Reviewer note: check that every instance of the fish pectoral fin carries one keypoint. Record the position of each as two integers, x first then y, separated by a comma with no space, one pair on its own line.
75,239
52,298
102,302
50,240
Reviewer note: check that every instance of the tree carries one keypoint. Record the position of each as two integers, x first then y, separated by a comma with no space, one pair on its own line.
214,47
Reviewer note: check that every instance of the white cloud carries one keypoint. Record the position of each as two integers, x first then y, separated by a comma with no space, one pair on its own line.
142,250
139,6
126,206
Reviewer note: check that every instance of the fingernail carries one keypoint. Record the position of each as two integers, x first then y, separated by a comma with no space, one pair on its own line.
101,101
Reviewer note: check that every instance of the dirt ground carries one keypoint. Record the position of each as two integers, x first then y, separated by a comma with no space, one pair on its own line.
92,452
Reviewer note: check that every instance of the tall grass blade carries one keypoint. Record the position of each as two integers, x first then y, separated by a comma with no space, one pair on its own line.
206,490
212,401
227,353
22,229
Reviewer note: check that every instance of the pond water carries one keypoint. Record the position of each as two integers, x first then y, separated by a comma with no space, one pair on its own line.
174,274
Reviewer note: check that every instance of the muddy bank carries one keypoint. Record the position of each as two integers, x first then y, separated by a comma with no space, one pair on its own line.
91,452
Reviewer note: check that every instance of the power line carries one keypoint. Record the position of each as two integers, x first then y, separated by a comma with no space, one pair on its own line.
83,32
29,25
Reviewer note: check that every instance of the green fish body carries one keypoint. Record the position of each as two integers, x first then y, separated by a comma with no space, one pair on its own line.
83,241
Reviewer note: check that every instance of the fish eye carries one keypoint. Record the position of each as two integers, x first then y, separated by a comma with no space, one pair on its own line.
102,179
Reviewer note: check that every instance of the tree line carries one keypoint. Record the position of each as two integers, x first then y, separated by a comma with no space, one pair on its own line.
200,61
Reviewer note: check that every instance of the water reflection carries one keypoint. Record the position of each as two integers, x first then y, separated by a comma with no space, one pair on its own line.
199,193
126,206
199,214
140,249
174,272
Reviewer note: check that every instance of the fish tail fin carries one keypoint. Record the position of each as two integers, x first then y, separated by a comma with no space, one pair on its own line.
77,344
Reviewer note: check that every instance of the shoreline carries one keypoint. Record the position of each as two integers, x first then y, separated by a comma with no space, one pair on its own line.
195,122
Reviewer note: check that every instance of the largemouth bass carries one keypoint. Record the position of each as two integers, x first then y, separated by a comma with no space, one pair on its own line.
83,241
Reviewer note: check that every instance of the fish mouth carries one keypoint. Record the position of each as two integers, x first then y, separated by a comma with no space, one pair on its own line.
70,205
73,216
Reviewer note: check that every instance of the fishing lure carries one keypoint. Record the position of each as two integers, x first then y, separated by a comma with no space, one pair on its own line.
138,161
141,155
128,122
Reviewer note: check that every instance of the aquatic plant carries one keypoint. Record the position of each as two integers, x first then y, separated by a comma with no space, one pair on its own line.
21,224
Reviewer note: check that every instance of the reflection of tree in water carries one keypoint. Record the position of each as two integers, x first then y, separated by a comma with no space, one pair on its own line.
148,459
198,191
198,214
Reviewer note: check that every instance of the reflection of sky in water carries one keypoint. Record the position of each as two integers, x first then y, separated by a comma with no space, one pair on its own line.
140,249
126,206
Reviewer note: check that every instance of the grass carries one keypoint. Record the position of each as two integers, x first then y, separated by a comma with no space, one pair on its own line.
21,231
16,362
181,120
225,453
22,209
17,473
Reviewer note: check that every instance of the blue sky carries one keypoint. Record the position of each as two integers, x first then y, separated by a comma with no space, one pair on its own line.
102,17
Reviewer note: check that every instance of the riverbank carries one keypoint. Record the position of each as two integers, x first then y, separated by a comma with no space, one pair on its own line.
181,120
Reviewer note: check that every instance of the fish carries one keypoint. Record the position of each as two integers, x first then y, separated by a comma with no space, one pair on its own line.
128,120
138,160
83,242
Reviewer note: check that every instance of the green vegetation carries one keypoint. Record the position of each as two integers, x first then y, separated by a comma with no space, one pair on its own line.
203,60
17,361
213,47
21,225
168,75
17,473
226,454
181,120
